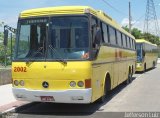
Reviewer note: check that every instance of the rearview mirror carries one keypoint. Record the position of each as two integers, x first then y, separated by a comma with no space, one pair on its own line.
5,37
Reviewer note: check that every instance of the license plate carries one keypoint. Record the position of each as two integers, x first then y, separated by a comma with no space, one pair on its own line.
47,98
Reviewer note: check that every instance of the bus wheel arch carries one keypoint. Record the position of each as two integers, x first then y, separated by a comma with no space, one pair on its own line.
106,87
108,81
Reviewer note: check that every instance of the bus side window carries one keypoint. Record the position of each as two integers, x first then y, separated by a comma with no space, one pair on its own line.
105,33
119,38
134,46
96,33
112,35
124,40
129,42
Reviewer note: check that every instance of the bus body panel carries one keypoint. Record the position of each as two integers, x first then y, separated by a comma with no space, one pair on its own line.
58,76
56,73
107,62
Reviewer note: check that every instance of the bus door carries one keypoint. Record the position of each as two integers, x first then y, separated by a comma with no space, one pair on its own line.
97,76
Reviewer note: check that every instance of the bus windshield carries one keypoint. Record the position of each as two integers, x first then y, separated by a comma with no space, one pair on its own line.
139,52
53,38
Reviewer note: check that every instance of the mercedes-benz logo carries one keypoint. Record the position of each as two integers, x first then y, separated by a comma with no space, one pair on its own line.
45,84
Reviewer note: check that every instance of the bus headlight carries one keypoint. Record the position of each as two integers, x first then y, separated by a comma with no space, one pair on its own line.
21,83
139,65
16,82
72,83
80,84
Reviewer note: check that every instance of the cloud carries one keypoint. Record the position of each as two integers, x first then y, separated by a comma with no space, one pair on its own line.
135,24
125,22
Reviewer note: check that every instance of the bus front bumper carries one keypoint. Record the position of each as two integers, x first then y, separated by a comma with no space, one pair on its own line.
60,96
139,67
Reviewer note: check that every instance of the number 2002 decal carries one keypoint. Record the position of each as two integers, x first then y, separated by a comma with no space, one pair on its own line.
20,69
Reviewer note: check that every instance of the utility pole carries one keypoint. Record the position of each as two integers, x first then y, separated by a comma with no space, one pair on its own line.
5,46
130,18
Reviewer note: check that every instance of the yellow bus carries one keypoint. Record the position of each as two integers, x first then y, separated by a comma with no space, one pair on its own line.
147,55
70,54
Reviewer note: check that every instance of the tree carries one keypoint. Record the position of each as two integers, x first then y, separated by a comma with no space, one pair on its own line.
136,33
125,28
147,36
151,38
2,52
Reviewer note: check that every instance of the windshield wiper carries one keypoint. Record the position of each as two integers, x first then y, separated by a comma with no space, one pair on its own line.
35,53
56,52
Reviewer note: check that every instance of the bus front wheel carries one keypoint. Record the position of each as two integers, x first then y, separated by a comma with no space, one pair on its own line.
106,90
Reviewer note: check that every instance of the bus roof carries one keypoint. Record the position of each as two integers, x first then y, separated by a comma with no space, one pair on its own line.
73,10
144,41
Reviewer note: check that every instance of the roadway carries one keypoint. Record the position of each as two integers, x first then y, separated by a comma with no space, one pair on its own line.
142,95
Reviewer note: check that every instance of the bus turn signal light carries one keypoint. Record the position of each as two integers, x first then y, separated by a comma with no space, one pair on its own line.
88,83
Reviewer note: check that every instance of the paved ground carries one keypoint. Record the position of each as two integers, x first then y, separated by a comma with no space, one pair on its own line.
6,93
142,95
7,100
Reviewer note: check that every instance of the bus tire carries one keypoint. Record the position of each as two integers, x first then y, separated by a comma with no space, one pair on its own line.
107,87
129,79
154,64
145,68
132,70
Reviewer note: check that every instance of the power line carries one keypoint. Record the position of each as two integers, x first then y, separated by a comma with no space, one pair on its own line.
138,20
114,8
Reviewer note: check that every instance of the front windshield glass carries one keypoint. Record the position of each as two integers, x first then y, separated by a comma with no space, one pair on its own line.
139,52
32,39
53,38
69,38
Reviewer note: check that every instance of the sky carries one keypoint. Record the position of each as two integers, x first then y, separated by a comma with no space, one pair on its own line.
10,9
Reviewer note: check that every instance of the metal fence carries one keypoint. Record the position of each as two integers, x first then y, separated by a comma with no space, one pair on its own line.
6,58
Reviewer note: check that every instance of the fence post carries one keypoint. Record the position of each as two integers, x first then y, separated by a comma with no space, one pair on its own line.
11,46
